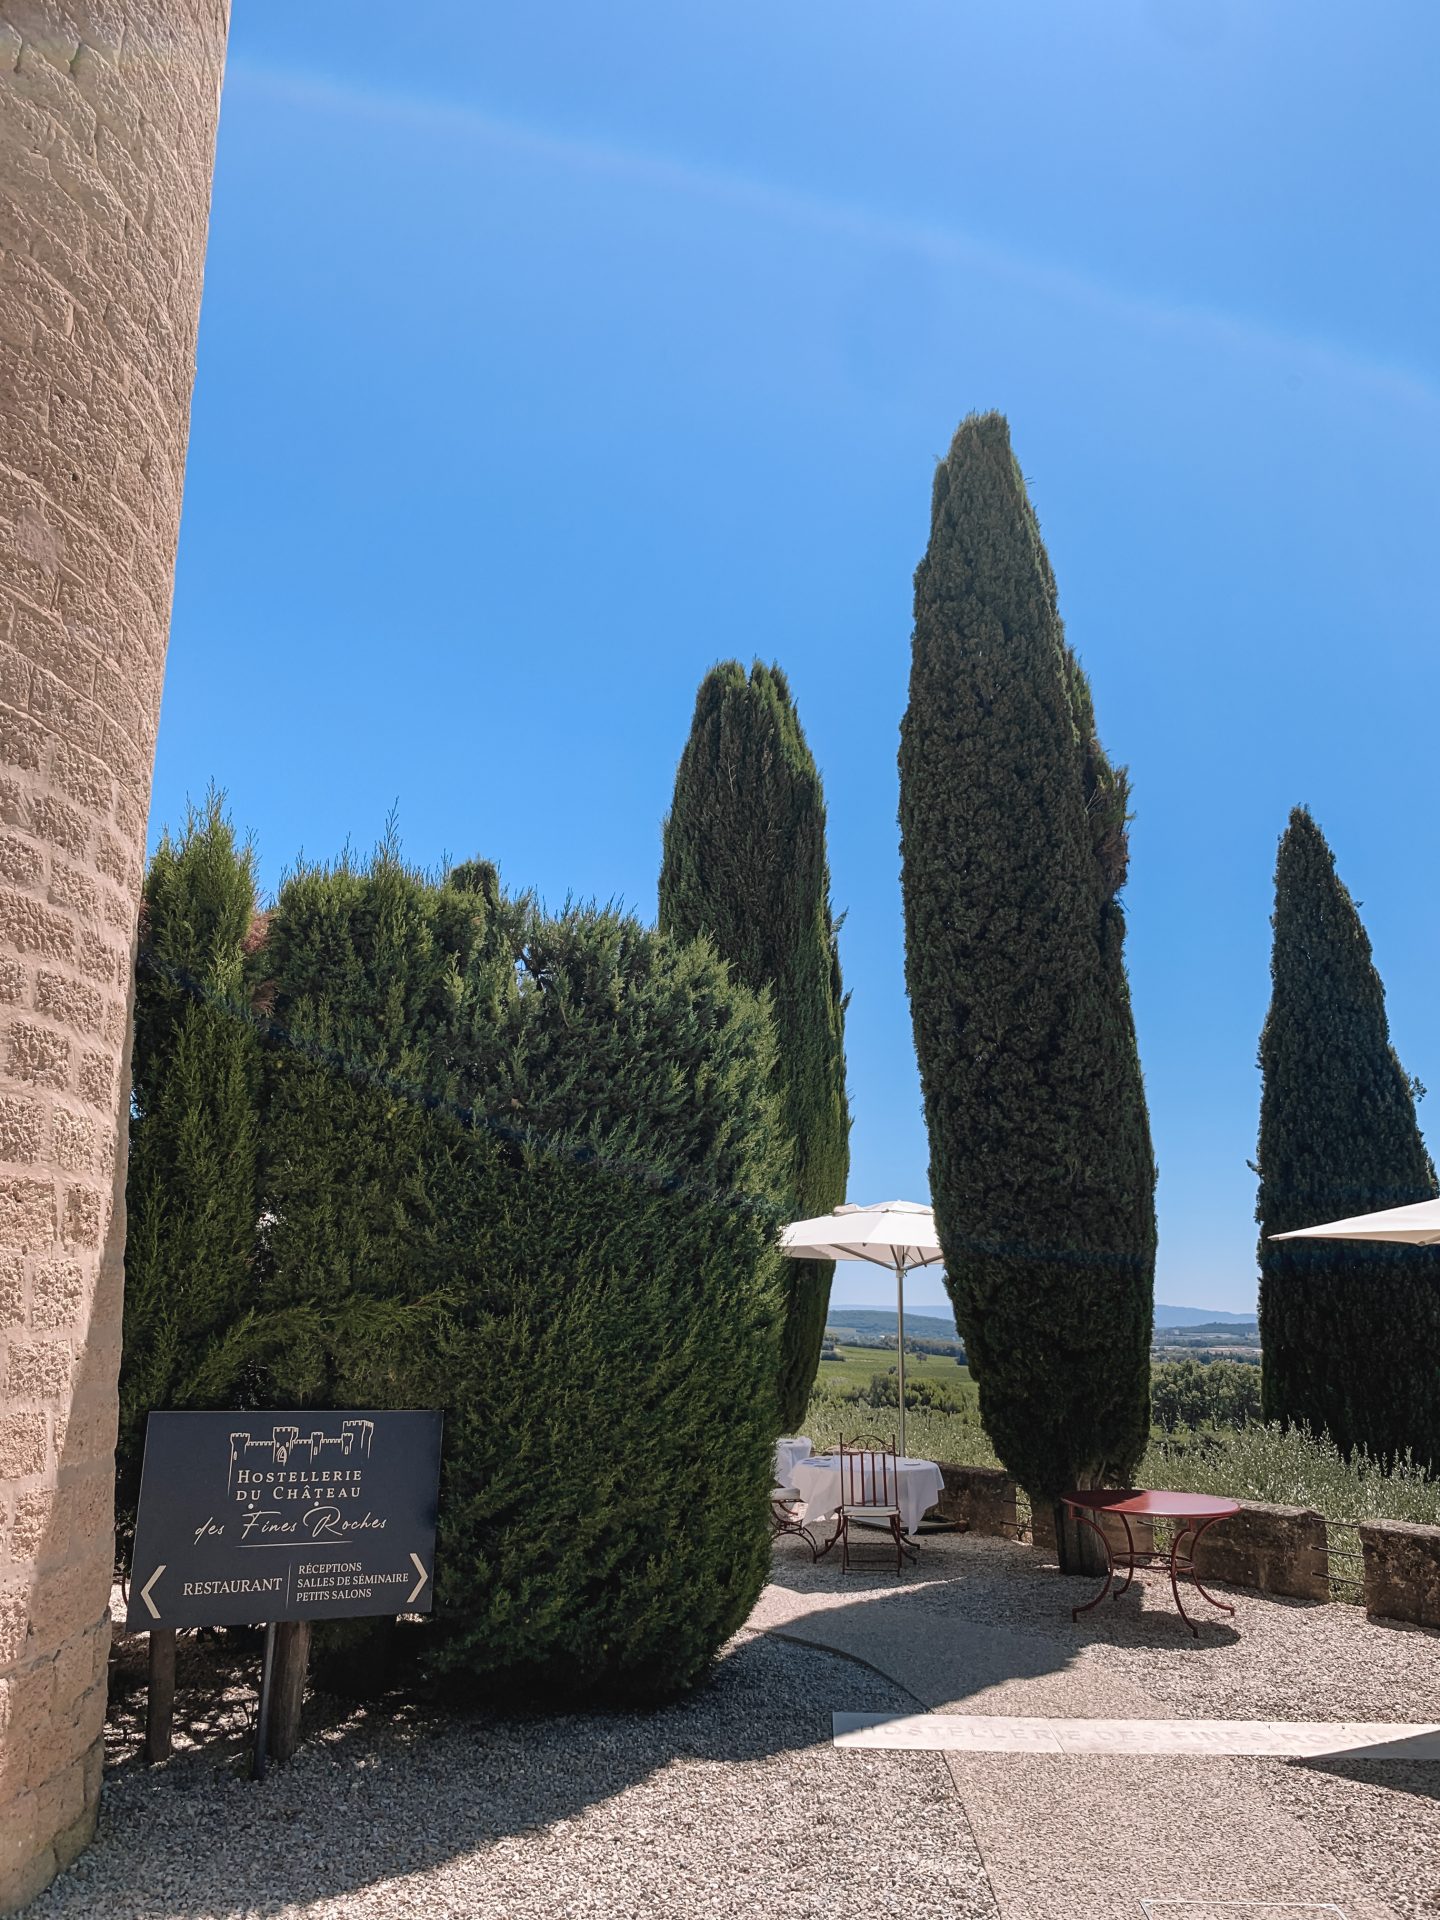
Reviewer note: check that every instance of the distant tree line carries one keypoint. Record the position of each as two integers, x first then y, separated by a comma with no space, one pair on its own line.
1187,1393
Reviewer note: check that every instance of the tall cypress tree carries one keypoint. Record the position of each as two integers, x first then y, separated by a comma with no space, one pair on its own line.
1013,841
1350,1332
744,863
192,1192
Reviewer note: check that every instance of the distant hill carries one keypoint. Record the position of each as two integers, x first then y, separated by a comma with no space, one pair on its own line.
931,1326
872,1320
1201,1317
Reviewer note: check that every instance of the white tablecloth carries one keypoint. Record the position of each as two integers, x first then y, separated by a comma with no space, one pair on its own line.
787,1452
817,1481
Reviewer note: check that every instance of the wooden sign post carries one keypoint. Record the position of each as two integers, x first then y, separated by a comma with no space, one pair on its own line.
284,1517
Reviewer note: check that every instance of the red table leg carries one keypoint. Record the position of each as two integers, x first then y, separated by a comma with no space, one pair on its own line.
1083,1517
1189,1572
1130,1556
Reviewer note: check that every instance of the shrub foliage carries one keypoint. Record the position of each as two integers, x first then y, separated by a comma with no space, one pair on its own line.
745,865
1013,835
192,1193
1350,1332
1196,1394
525,1168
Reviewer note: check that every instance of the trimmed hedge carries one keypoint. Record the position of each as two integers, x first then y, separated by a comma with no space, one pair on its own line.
192,1194
526,1168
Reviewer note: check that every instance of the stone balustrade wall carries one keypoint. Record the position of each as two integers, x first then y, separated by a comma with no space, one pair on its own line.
980,1499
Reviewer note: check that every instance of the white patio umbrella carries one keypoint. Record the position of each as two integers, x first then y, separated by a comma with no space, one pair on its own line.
1417,1226
898,1234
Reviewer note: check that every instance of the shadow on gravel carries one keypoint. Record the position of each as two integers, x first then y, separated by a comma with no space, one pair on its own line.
1418,1778
973,1614
389,1790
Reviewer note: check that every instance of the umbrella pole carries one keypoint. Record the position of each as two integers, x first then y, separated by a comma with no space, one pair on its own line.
900,1345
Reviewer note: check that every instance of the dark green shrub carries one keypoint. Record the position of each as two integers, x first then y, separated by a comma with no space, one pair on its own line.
1350,1332
745,865
523,1168
1014,851
527,1169
923,1395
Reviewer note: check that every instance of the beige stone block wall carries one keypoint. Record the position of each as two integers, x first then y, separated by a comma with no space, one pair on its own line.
1402,1571
1270,1549
107,135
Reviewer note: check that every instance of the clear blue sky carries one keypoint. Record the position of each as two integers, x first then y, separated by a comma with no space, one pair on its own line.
550,354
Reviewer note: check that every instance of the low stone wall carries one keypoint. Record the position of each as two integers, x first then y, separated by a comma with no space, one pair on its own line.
1279,1550
1268,1549
1141,1536
981,1499
1402,1571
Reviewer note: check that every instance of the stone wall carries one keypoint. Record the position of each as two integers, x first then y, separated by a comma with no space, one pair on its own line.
1402,1571
981,1499
1279,1550
107,132
1272,1549
1268,1549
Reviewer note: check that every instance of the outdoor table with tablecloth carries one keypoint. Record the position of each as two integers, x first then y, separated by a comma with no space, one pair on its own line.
817,1481
787,1452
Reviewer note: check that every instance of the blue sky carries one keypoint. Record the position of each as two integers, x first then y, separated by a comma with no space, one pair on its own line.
550,354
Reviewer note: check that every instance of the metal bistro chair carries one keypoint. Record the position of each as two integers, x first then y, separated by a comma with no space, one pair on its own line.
869,1494
784,1518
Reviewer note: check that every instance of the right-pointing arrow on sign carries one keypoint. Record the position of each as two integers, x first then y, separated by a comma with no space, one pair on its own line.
145,1591
424,1576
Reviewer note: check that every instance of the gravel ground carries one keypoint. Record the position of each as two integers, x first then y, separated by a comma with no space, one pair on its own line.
727,1804
1277,1659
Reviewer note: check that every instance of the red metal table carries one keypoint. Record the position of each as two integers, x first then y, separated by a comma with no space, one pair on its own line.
1196,1512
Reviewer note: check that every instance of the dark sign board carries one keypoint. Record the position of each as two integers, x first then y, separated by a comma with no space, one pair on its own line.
267,1515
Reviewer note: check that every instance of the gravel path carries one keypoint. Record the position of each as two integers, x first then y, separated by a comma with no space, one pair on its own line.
725,1805
1277,1659
730,1803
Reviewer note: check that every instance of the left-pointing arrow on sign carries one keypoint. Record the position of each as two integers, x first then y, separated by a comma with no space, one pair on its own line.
420,1569
145,1591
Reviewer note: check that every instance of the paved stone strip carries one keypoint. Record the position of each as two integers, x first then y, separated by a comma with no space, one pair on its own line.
977,1631
1241,1910
1016,1733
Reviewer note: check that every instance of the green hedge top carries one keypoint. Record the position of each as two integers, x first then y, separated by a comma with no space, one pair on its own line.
524,1167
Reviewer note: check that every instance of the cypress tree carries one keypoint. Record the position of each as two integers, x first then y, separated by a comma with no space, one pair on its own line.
744,864
191,1190
1350,1332
1014,851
